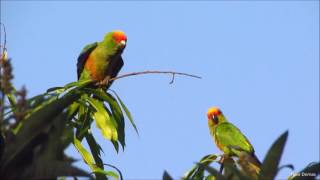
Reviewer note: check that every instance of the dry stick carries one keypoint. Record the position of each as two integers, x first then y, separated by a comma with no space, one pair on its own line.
4,48
155,72
5,35
2,100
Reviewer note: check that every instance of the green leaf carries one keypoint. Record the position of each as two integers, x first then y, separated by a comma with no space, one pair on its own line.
115,145
90,160
86,155
107,173
54,89
210,177
127,112
72,110
12,100
118,116
34,124
290,166
51,161
40,102
309,172
212,171
61,168
84,119
103,120
79,84
198,172
118,170
166,176
269,167
95,150
37,100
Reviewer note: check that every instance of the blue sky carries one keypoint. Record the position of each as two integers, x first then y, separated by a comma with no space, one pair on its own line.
259,63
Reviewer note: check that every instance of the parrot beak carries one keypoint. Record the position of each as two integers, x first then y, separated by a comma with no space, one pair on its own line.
123,43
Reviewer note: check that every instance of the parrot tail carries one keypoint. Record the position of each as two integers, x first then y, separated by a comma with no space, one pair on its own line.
256,161
250,164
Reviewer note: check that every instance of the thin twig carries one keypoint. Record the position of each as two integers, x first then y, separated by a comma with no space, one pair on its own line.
172,80
5,36
5,39
2,100
155,72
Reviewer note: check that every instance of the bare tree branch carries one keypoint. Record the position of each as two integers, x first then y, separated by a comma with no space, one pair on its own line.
4,37
155,72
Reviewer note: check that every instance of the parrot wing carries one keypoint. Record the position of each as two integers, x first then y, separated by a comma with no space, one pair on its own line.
84,56
228,135
114,68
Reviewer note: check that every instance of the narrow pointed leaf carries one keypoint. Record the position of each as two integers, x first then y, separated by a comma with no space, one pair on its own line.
95,149
73,109
115,145
54,89
84,120
197,171
88,159
213,172
117,169
86,155
127,112
269,167
107,173
12,99
116,112
166,176
119,118
103,121
310,172
33,126
78,84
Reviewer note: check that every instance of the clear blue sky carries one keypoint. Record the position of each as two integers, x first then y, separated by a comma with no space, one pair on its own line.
259,62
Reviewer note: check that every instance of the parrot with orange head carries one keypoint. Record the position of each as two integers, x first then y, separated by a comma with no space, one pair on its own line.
101,61
230,139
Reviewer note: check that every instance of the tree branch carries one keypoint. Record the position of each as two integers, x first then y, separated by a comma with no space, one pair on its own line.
155,72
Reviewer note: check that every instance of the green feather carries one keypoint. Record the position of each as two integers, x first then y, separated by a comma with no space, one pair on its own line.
84,56
231,138
107,60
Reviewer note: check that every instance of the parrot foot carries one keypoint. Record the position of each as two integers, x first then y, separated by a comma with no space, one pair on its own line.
221,161
103,83
224,158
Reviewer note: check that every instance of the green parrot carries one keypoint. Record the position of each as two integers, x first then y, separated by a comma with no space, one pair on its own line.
230,139
101,61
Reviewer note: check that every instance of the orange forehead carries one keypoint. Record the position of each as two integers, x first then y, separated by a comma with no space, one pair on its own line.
119,36
214,111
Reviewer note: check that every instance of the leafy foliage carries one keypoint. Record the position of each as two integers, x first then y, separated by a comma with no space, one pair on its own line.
197,172
32,146
35,132
236,169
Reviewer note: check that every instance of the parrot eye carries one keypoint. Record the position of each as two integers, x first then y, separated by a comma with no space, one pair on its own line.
215,119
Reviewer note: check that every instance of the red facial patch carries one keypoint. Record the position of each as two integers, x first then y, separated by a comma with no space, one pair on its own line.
119,36
213,112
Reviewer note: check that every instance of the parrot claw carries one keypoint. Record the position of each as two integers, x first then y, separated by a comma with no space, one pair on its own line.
222,159
103,83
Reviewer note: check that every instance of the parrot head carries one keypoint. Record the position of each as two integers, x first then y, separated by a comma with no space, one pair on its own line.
116,40
215,116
